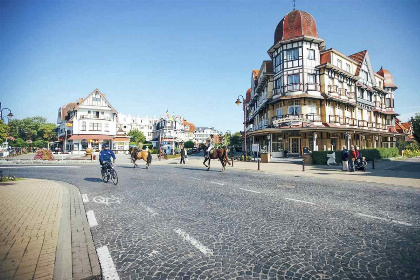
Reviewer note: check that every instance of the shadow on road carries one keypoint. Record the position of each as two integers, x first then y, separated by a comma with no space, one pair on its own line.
199,169
95,180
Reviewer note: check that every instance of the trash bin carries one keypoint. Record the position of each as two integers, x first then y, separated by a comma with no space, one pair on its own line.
264,157
94,157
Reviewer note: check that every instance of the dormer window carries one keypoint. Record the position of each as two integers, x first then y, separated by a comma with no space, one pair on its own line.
365,75
339,63
292,54
348,67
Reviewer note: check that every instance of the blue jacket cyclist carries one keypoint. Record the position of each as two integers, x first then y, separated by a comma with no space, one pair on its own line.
105,155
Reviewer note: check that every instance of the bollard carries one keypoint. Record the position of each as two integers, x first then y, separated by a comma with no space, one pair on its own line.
303,165
232,161
258,164
373,163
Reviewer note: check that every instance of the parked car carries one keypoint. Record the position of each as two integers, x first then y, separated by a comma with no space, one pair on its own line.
194,150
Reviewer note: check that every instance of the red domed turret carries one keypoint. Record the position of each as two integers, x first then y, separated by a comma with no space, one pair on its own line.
389,80
295,24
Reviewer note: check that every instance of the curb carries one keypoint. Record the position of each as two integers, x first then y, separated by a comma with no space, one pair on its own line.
76,256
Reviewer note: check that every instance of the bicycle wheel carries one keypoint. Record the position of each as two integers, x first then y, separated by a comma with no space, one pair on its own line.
114,176
105,176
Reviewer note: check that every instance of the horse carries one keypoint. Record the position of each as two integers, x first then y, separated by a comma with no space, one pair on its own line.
145,155
220,154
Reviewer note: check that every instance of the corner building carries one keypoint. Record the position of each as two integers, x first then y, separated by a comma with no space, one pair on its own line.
311,98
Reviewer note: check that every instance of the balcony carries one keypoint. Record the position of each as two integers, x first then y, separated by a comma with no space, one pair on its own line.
342,92
288,118
362,123
351,121
294,87
371,125
332,89
334,119
312,87
343,121
351,95
313,117
94,117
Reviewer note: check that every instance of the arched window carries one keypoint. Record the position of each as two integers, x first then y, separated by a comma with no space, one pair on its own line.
83,125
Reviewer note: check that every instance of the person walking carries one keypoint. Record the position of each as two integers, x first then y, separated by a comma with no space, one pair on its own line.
345,158
182,153
352,158
356,149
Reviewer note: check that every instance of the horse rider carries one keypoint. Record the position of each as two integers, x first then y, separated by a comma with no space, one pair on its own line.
105,157
210,145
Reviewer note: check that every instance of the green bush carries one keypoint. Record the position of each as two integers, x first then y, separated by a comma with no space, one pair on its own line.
320,157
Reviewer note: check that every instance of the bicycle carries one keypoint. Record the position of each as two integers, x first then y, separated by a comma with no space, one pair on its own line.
109,173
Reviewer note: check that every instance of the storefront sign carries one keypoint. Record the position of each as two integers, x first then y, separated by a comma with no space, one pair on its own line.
255,147
289,120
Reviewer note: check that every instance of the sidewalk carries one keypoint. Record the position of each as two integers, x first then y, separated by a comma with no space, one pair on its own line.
385,172
39,222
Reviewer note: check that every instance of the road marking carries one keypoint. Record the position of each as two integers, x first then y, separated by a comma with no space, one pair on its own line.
91,218
203,249
107,200
38,166
220,184
148,209
108,268
249,190
302,201
195,178
85,198
384,219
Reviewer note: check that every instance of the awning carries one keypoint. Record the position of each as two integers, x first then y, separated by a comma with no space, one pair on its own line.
122,139
90,137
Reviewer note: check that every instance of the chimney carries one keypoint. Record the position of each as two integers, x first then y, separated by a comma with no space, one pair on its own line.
80,101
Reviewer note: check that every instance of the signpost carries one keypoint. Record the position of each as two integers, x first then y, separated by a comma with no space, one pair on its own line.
256,148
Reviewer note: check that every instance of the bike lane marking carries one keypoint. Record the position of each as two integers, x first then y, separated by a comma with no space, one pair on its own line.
203,249
108,268
85,198
91,218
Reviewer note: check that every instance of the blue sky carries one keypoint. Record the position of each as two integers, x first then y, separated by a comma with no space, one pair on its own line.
191,57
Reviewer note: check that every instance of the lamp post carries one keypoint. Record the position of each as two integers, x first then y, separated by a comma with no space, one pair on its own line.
238,101
9,116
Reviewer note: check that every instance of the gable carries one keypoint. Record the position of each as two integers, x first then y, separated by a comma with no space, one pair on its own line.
364,66
97,99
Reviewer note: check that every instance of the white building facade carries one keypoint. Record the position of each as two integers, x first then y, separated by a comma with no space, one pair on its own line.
203,133
89,123
145,125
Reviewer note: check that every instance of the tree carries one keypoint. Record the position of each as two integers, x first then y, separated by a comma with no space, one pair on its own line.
15,128
189,144
19,142
236,140
136,136
415,122
48,131
40,143
4,130
226,139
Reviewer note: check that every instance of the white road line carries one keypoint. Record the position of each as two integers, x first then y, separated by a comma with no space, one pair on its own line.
91,218
384,219
85,198
38,166
249,190
302,201
195,178
220,184
203,249
150,210
108,268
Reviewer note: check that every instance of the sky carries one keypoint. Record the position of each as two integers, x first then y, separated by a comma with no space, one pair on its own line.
191,57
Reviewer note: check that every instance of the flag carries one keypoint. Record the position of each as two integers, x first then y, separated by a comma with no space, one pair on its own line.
167,113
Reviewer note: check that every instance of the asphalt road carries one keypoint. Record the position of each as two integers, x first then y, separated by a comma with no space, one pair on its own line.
181,222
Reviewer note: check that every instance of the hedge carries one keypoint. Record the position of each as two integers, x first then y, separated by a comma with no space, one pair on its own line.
320,157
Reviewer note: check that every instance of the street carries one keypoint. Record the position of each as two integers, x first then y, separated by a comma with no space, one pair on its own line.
180,222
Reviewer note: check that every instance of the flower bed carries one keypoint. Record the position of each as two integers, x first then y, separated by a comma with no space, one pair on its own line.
44,154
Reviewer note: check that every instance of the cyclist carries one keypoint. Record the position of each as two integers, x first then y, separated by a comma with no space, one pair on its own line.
105,157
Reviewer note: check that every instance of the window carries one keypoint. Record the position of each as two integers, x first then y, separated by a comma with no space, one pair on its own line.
83,126
311,78
106,127
364,75
279,112
348,67
292,54
294,110
311,54
95,126
293,82
339,63
388,102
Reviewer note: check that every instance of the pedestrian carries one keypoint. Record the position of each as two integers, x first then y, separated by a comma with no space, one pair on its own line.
356,149
345,158
352,158
182,153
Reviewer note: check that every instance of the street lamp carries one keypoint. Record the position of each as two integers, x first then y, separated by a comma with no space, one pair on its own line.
238,102
9,116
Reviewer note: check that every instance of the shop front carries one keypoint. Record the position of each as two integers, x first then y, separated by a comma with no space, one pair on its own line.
79,143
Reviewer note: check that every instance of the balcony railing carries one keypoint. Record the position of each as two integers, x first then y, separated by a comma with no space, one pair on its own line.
363,123
312,87
95,117
334,119
342,92
371,125
379,126
343,121
298,116
351,121
294,87
332,88
313,117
